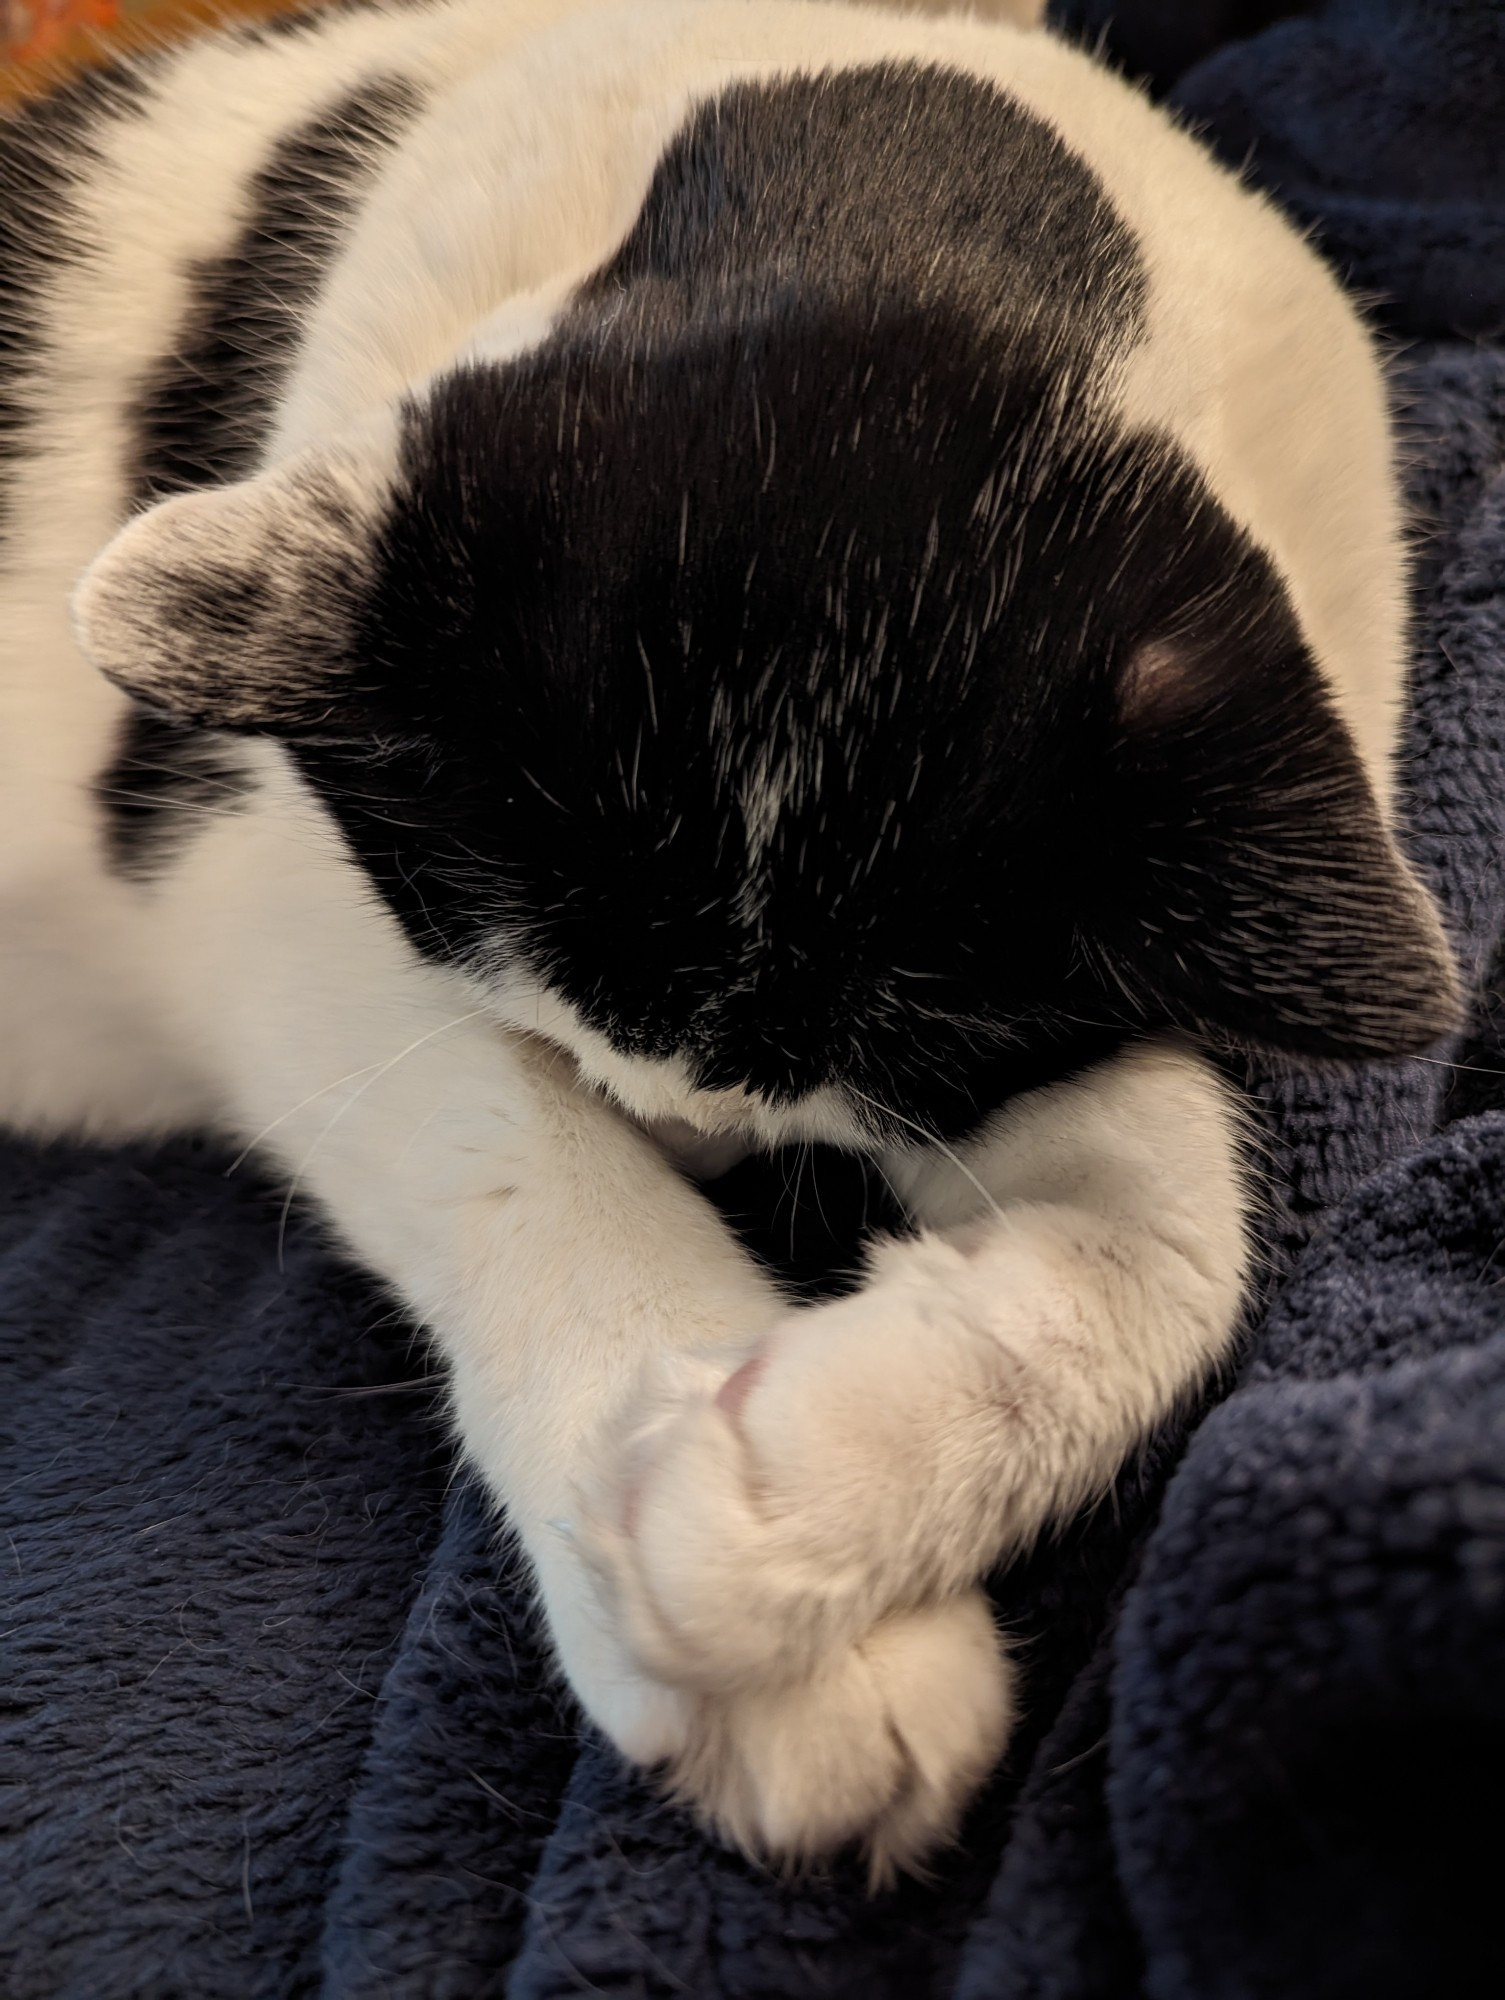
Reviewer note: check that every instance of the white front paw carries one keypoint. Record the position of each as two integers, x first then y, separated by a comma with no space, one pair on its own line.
850,1469
883,1744
793,1547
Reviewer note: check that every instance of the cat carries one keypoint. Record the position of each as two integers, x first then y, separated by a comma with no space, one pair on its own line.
585,589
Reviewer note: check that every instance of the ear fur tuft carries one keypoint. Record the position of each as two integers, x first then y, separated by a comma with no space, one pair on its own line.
1273,904
233,607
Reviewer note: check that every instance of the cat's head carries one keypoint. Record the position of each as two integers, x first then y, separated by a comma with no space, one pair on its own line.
815,722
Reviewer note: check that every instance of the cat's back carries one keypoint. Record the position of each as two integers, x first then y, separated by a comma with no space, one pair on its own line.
185,200
342,198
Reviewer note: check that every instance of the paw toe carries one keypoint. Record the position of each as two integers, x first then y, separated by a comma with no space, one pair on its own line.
882,1744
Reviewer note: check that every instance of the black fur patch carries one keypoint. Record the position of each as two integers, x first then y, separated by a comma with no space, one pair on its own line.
202,413
794,663
721,477
48,147
311,18
890,186
161,781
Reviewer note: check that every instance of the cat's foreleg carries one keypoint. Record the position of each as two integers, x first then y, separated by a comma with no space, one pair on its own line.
1078,1268
560,1262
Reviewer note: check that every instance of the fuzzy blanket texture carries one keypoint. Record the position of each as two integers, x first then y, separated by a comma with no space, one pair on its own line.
274,1715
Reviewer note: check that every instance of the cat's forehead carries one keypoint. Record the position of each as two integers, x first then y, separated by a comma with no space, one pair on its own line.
774,683
776,607
774,422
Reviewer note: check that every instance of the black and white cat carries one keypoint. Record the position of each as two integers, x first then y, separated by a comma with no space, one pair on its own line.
694,575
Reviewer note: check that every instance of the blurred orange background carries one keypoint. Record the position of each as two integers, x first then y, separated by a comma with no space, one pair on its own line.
41,40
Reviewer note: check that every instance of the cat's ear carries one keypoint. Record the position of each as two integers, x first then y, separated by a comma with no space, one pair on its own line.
1266,898
235,607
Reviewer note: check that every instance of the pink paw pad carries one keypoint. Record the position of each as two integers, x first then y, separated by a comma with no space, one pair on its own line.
736,1389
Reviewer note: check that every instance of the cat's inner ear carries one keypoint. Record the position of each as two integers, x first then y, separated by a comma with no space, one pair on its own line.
1266,897
234,607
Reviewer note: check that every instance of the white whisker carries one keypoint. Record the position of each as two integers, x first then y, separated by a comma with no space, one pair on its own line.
349,1077
946,1152
376,1075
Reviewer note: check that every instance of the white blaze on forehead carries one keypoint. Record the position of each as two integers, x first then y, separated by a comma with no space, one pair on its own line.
773,783
777,781
762,798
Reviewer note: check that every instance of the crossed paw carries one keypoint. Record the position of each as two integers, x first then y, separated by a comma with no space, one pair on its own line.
790,1555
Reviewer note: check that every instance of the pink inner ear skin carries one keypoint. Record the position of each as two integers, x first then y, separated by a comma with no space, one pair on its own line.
1155,683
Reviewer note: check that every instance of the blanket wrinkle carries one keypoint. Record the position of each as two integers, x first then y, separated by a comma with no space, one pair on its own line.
276,1714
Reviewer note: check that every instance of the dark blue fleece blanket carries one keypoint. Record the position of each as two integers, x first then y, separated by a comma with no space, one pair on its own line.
274,1718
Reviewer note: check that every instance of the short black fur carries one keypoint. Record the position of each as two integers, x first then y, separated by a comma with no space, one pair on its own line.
800,318
815,494
201,415
312,17
894,182
164,777
795,663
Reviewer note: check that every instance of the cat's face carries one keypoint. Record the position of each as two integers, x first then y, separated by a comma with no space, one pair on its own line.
815,730
780,800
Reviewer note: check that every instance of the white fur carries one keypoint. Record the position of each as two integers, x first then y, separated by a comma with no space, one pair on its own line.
774,1592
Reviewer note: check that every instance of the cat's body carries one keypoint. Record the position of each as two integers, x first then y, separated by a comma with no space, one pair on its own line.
893,627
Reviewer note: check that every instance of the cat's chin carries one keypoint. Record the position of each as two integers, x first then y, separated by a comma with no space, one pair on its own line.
704,1156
